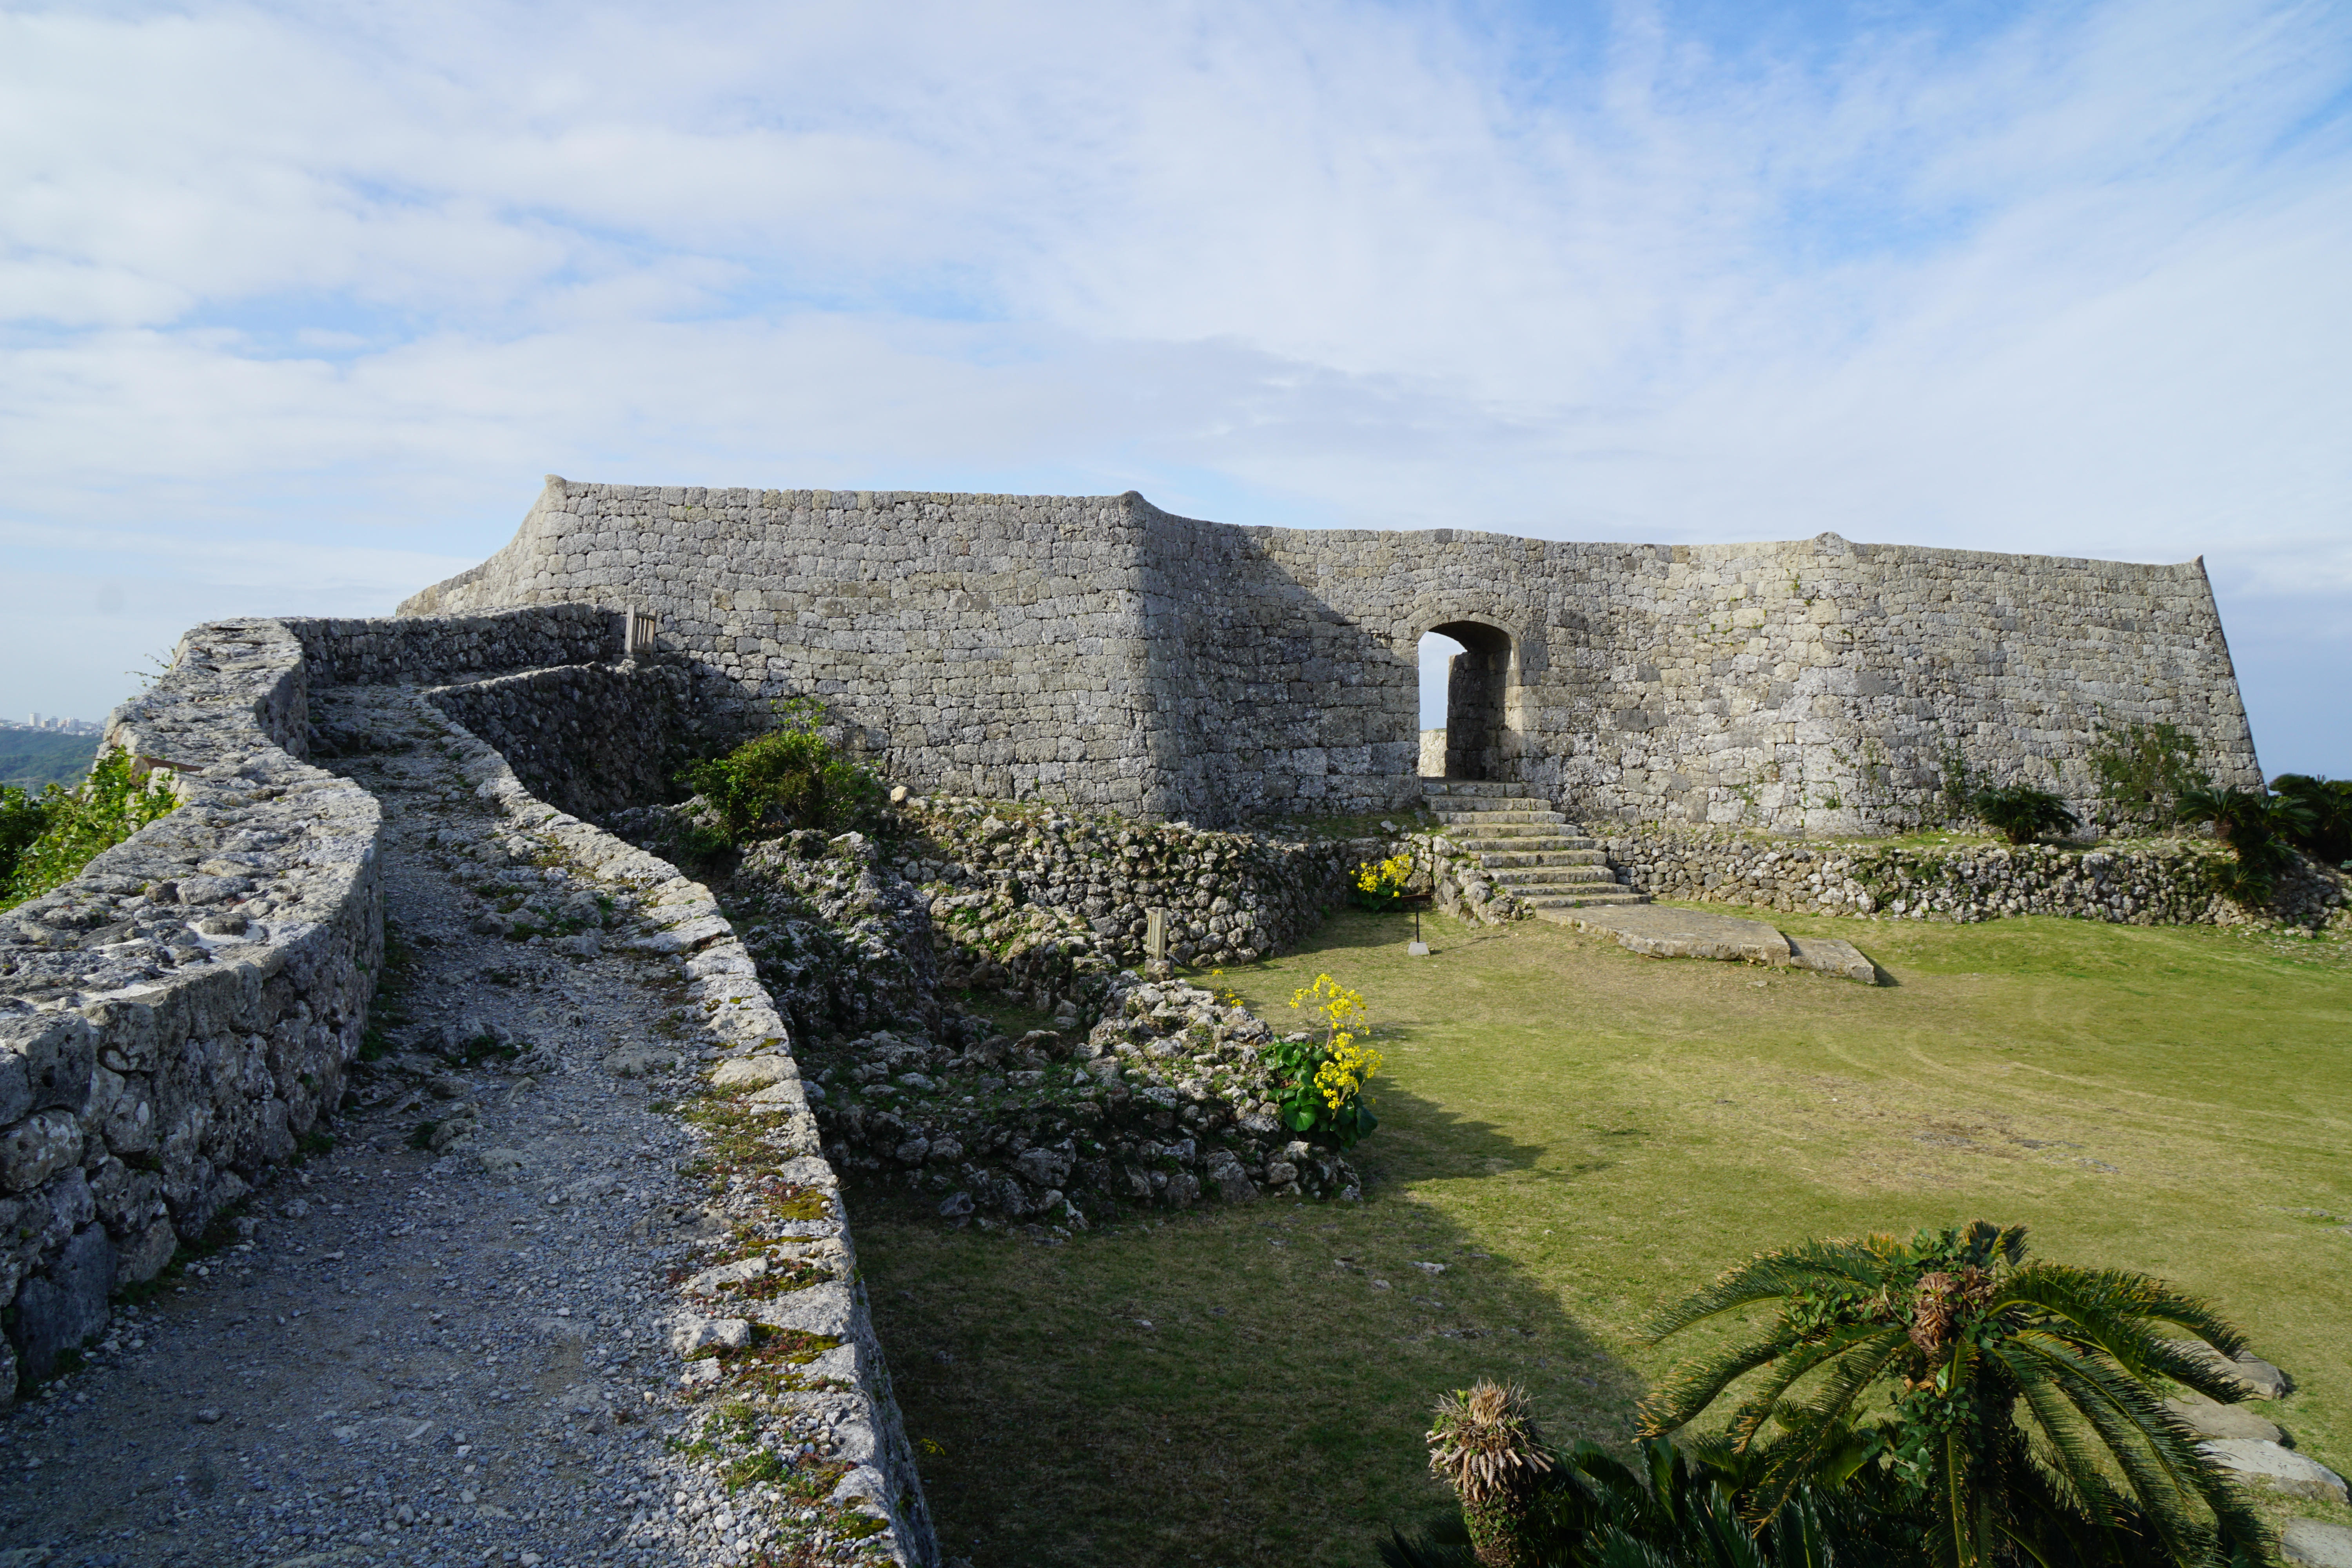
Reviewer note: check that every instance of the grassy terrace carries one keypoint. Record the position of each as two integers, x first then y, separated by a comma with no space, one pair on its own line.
1579,1134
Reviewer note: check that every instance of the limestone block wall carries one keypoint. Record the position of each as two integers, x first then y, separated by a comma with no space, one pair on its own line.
2160,882
179,1015
985,644
1100,652
591,739
388,652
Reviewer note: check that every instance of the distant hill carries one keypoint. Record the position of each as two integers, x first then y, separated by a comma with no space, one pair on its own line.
31,758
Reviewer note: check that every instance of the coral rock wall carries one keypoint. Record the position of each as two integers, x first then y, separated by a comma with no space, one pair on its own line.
2163,882
179,1015
1099,652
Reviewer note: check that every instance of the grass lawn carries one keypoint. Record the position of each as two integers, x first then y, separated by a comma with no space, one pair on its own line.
1576,1135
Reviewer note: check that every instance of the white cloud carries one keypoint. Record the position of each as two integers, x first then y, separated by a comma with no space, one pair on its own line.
354,278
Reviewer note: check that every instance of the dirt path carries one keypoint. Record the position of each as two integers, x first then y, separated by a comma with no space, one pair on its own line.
412,1357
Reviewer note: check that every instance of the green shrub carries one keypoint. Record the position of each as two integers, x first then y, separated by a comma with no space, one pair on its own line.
2143,770
2260,827
2022,814
2329,836
793,776
46,839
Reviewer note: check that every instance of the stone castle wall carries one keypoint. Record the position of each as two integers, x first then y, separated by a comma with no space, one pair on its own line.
1100,652
176,1020
179,1017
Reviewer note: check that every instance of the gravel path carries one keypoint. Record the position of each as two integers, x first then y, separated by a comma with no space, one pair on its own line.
418,1358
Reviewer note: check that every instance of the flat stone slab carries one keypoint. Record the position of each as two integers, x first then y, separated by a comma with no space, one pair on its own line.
2315,1543
2283,1469
2262,1380
1661,932
1830,955
2211,1418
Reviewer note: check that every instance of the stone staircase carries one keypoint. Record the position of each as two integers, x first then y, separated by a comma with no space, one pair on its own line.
1525,846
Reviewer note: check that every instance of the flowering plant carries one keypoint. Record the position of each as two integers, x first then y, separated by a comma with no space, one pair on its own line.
1324,1079
1380,883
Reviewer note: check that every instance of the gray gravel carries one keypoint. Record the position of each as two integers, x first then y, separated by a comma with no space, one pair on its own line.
417,1358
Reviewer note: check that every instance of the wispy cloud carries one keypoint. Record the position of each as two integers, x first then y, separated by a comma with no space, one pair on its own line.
334,285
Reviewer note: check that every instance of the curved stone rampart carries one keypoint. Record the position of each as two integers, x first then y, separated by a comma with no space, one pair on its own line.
179,1017
1099,652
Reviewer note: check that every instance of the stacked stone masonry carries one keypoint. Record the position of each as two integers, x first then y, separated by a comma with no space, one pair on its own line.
1097,652
179,1017
2158,882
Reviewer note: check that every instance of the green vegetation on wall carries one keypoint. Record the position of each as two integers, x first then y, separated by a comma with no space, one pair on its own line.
47,839
2143,770
792,777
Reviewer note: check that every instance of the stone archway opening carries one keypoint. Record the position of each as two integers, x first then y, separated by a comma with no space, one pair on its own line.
1465,675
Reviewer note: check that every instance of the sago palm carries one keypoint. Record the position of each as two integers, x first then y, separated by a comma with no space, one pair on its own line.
2023,1411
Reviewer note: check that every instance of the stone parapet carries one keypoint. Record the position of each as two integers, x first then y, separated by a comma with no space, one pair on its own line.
179,1017
395,652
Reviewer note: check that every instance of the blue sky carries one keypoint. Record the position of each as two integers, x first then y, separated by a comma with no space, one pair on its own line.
297,304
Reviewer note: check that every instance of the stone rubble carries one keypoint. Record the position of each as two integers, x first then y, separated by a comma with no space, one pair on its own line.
1140,1095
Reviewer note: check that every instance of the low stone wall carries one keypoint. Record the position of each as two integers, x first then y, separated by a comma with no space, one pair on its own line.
179,1015
817,1346
1157,1095
2158,882
1229,896
393,652
591,739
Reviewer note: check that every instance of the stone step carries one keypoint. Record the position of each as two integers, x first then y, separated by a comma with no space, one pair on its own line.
1478,804
1547,906
1495,859
1497,818
1520,834
1469,787
1553,876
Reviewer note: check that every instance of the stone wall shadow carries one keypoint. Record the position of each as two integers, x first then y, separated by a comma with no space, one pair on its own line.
1245,1385
1266,699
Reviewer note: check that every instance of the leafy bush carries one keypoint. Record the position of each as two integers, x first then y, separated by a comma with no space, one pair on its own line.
2143,770
790,777
2329,802
46,839
2258,826
2022,814
1380,883
1323,1080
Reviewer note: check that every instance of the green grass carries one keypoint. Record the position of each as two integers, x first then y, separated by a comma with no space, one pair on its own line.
1581,1134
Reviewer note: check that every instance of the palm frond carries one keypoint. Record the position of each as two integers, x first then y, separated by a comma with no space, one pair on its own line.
1690,1388
2114,1306
1761,1404
1774,1276
2162,1467
1817,1428
2073,1452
